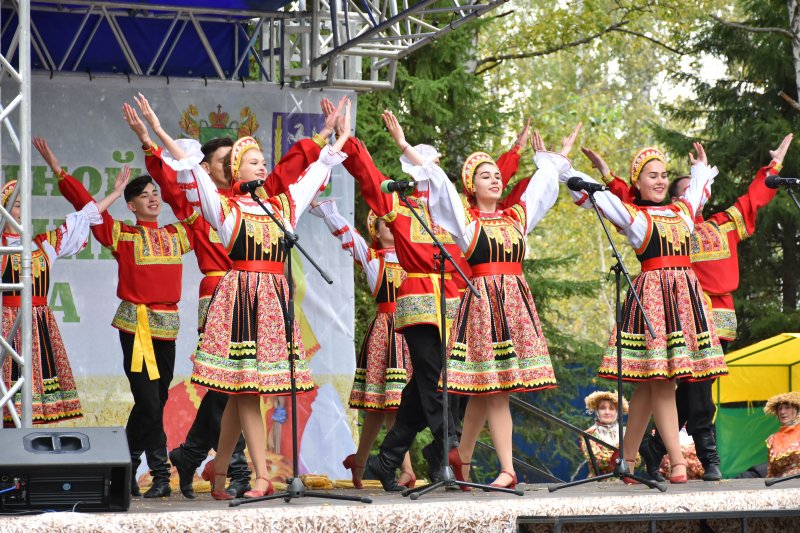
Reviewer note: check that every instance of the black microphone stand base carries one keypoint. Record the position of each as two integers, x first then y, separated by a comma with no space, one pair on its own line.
772,481
620,472
449,481
296,489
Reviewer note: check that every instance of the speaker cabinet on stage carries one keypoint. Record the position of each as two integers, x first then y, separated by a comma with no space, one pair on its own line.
82,468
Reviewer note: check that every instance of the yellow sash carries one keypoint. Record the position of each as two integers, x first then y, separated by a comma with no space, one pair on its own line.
143,351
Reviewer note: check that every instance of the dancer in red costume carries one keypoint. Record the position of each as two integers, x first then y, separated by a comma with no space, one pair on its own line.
150,272
496,345
243,349
685,346
715,261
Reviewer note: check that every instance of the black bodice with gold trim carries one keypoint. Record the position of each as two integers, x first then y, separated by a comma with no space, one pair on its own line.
391,279
668,236
258,239
498,239
40,271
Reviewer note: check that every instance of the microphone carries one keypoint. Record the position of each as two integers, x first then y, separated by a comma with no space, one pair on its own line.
390,186
577,184
773,182
246,187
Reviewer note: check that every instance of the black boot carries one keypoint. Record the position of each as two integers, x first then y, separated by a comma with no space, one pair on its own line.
238,471
185,470
433,456
136,460
652,451
159,469
393,449
705,444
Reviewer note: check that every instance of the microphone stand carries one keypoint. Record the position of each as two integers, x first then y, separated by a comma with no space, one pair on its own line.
772,481
621,467
791,193
440,260
295,488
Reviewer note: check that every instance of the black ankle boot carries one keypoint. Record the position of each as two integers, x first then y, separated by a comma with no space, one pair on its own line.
238,471
393,449
159,469
705,444
652,454
185,472
433,456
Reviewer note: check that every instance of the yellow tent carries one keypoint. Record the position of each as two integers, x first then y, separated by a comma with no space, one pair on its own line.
755,374
761,370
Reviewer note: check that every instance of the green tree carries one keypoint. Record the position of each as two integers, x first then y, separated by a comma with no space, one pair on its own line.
739,118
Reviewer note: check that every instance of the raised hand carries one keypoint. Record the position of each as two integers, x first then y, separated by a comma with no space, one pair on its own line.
701,155
122,179
395,129
344,123
147,112
537,143
331,113
568,141
132,119
49,157
779,153
522,138
596,160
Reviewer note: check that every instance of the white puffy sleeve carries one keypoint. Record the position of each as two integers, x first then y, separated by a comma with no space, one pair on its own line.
630,221
71,236
313,178
351,240
185,168
699,190
542,190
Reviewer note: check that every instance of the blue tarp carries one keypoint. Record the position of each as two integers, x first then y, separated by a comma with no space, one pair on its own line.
144,35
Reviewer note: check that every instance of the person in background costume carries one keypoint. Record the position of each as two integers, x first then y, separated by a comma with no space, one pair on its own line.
383,362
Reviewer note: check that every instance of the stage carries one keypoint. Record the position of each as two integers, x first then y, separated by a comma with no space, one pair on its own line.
606,506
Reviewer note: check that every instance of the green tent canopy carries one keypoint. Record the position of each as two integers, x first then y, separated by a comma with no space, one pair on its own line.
755,374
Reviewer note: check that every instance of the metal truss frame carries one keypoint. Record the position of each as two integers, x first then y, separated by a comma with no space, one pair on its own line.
16,119
352,44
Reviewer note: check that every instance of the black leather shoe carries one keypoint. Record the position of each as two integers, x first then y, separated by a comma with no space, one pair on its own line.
159,490
652,460
237,487
712,473
385,475
185,473
434,462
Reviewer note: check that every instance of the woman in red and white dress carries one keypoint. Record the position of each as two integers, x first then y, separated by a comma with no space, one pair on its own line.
243,350
496,345
685,345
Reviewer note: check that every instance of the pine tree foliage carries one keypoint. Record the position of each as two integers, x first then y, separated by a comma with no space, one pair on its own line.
739,118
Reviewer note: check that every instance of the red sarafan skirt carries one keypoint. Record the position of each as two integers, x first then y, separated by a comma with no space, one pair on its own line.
244,347
685,345
383,368
55,396
496,342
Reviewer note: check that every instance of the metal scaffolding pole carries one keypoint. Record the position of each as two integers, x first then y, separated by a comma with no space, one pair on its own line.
19,111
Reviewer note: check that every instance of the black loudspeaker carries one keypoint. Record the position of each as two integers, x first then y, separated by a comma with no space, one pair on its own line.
85,469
